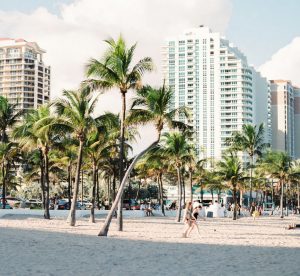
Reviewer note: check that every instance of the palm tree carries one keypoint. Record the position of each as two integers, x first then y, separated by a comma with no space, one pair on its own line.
230,170
214,183
175,147
97,147
195,168
9,116
251,140
155,165
150,106
75,111
38,131
279,165
115,70
200,175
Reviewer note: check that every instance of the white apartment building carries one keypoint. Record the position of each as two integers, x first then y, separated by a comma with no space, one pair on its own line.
285,117
24,78
212,77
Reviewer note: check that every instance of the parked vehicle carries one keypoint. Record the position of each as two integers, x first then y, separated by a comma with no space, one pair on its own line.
7,206
86,204
131,204
34,203
64,205
15,202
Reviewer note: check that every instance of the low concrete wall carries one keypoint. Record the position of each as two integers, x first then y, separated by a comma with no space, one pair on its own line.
79,213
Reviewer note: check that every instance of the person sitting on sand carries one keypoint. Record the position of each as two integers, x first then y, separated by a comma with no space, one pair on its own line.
173,205
187,218
148,210
293,226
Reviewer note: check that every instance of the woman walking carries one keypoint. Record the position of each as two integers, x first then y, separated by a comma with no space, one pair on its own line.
194,217
187,218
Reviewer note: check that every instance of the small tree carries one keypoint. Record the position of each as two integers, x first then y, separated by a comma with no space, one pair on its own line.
250,140
230,170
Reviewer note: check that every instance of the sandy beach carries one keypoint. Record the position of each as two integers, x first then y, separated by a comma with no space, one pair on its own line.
149,246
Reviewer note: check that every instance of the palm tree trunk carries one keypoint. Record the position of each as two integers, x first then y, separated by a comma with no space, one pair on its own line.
251,165
298,196
3,186
178,217
138,191
158,188
212,195
121,161
42,177
97,191
72,214
47,186
191,185
92,217
281,199
272,194
201,192
69,182
161,190
235,203
106,225
286,201
183,188
241,198
82,187
114,187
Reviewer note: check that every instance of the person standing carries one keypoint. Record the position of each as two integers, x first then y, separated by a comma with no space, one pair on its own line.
252,209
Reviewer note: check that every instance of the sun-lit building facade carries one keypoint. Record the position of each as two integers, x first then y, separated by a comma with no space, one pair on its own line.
285,117
24,78
212,77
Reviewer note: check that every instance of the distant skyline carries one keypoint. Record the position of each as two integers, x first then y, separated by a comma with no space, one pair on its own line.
72,31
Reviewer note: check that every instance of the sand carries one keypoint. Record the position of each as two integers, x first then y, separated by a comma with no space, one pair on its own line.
149,246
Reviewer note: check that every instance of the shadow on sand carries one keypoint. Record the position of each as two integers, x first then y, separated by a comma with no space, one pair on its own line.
30,252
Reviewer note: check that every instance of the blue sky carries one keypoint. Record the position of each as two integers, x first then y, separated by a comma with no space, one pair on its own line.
258,27
30,5
261,27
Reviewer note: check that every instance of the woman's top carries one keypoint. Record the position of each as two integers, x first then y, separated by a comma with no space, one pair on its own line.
195,215
187,214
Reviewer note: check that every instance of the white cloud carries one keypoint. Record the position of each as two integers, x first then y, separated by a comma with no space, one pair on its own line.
77,33
285,63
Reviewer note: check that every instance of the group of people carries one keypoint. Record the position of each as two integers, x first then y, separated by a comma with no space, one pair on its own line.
191,214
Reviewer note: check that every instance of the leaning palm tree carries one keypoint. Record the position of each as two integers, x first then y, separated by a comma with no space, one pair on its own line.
116,70
251,140
75,111
150,106
9,116
230,170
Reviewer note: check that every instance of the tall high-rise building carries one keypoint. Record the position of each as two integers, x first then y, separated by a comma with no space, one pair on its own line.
212,77
24,78
285,117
